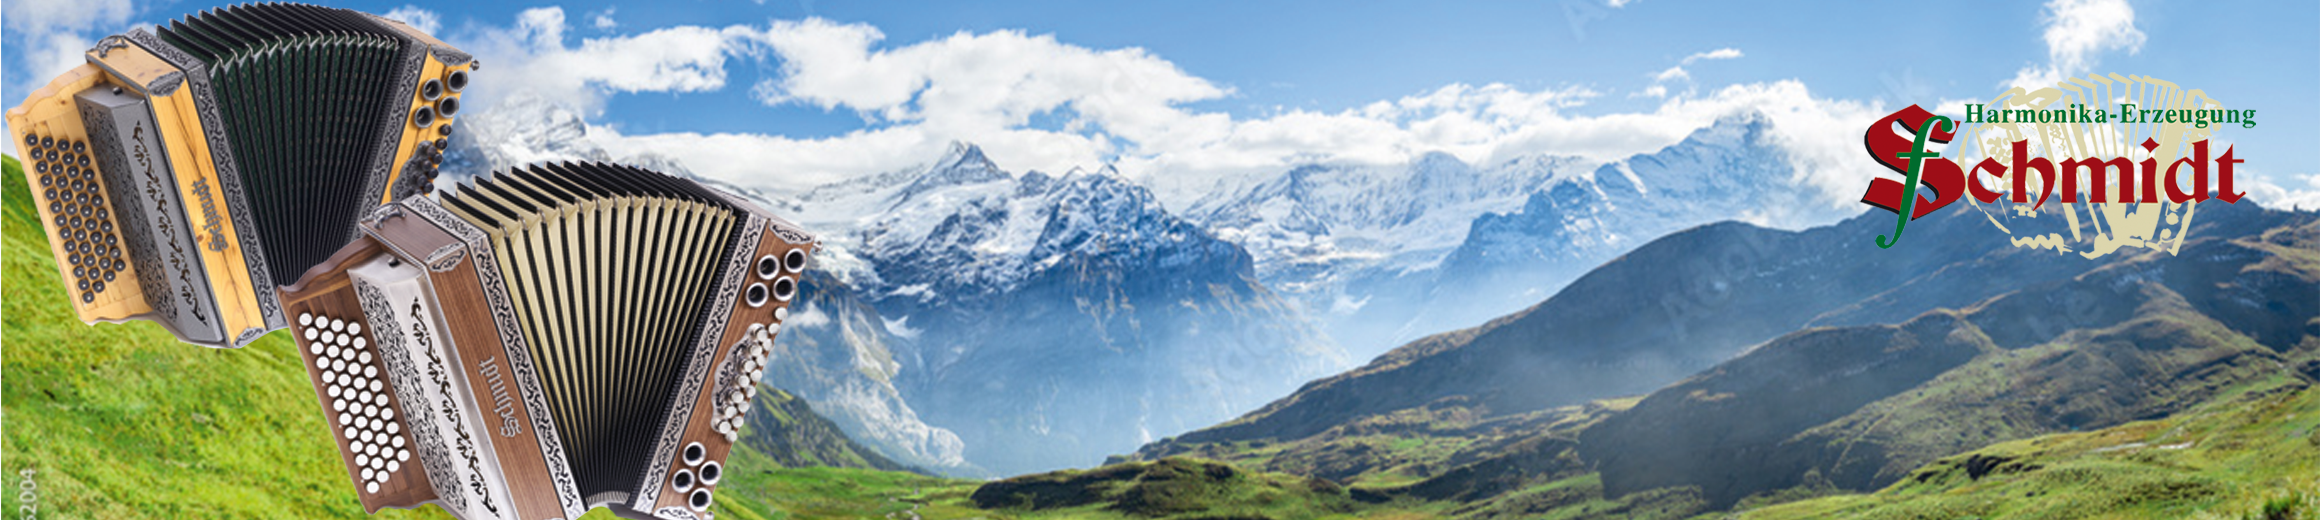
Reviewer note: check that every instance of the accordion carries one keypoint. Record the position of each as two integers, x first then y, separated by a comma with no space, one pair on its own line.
548,340
183,174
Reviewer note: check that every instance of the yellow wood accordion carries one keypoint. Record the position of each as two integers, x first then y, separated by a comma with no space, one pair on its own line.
546,341
182,174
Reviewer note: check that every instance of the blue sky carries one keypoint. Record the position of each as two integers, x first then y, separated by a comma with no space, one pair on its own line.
1180,94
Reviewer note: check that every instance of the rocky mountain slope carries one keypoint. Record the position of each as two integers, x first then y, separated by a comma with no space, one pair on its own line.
1052,319
1994,343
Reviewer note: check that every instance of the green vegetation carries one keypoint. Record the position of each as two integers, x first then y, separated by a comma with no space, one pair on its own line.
2210,409
2241,458
122,421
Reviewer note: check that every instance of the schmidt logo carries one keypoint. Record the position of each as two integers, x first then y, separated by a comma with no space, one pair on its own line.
2130,178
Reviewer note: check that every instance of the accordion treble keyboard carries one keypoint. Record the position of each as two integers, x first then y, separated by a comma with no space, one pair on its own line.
573,335
227,152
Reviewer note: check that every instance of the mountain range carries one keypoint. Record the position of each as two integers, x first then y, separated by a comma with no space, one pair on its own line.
1778,365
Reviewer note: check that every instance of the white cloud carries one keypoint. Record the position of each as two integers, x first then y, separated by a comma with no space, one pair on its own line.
981,82
1671,74
533,55
1617,3
419,18
52,34
603,19
1718,54
1123,106
2077,32
2305,197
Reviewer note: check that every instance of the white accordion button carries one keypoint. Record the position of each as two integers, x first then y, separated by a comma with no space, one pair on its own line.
393,466
353,328
367,473
311,346
401,454
329,337
337,325
305,319
338,405
387,413
364,356
372,487
361,459
311,334
394,428
398,443
358,342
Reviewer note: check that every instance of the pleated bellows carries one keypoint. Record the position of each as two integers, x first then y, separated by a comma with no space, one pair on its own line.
610,268
303,90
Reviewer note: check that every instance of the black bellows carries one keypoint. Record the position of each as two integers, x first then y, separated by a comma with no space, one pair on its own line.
307,94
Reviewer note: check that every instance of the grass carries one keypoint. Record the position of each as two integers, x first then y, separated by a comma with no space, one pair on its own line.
122,421
2249,457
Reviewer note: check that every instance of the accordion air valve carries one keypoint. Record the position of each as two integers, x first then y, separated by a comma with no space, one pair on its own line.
182,174
547,341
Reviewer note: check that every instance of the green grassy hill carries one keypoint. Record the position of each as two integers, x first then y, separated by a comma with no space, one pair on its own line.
122,421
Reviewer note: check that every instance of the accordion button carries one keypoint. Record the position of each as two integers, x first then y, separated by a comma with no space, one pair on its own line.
375,387
31,140
351,434
353,327
401,454
346,419
387,413
781,314
358,343
88,297
335,390
370,371
394,427
361,459
310,335
330,337
80,147
363,356
305,319
340,406
337,325
84,285
367,474
393,466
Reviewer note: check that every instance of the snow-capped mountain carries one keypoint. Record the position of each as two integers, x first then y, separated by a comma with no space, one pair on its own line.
1384,255
1057,319
970,320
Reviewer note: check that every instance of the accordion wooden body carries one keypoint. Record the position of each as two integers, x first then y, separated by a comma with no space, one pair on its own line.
183,174
546,341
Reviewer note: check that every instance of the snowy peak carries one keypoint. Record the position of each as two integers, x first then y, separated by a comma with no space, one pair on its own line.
963,164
